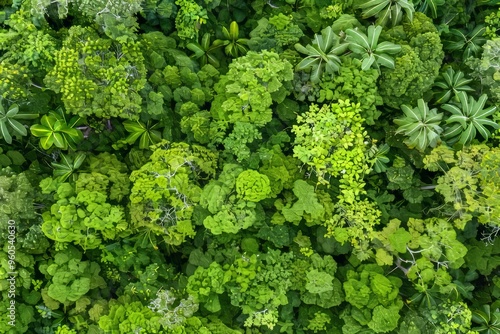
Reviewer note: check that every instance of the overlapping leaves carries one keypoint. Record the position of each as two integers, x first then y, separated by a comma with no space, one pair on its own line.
322,55
369,49
420,125
468,118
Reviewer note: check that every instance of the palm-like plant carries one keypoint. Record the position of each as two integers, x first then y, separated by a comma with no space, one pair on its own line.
469,118
204,51
488,320
420,125
451,83
368,48
468,42
387,10
322,55
9,124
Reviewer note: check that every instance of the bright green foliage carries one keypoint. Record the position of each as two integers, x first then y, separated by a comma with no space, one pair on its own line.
307,206
387,10
128,316
82,213
468,119
469,183
350,83
420,125
247,91
451,83
485,69
322,55
27,45
374,298
190,17
275,33
433,249
492,25
416,66
319,286
330,140
70,277
368,48
55,130
252,186
206,284
354,222
25,316
282,170
245,94
230,212
13,80
93,85
166,189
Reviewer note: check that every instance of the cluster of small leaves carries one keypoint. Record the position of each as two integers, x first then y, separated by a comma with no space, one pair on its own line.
468,182
98,76
165,190
331,141
416,66
86,211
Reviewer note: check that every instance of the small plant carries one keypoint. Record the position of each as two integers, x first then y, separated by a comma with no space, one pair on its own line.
368,48
54,130
469,118
451,83
420,125
234,46
204,51
68,165
322,55
467,42
9,124
386,10
146,133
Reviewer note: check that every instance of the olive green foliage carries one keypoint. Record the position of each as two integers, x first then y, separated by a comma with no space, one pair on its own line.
418,64
467,182
94,85
368,48
165,190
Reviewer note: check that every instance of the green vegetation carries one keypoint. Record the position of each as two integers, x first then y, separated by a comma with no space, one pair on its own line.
244,167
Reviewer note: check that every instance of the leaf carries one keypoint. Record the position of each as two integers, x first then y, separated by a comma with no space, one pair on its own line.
5,132
18,127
